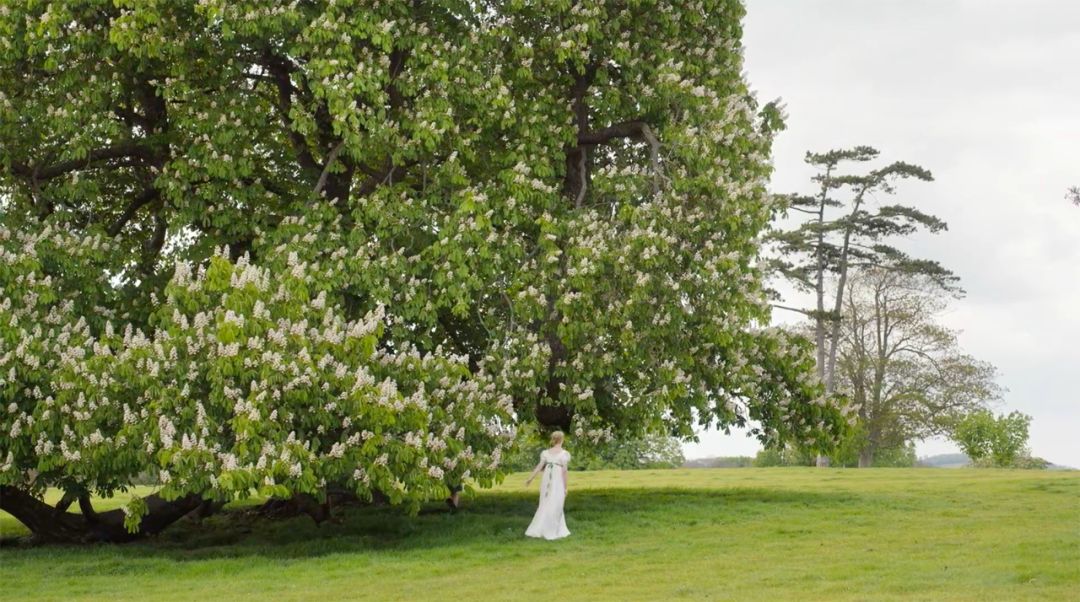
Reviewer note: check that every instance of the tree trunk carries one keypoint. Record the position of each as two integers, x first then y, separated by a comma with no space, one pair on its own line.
821,461
338,186
208,508
576,182
302,503
838,304
294,506
53,525
549,412
553,416
866,458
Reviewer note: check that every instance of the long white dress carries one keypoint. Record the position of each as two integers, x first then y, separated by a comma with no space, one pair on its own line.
549,521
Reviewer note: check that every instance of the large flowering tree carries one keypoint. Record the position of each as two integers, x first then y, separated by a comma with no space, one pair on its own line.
251,380
353,243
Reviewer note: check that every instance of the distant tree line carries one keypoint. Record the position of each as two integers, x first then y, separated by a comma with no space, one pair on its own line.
721,462
627,453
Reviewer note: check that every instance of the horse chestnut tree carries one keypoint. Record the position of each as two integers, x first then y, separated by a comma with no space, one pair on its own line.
254,247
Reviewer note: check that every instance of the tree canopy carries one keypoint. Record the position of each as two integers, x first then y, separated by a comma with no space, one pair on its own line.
825,245
904,372
996,440
237,231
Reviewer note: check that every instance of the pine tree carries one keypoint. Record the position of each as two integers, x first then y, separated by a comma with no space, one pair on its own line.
846,228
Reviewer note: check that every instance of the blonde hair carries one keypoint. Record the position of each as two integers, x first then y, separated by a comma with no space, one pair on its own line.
557,437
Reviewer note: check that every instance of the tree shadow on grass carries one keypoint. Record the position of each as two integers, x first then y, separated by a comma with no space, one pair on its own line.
490,519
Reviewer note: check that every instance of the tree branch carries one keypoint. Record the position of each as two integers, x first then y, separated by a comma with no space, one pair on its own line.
795,309
625,129
87,509
148,196
153,246
131,148
654,156
326,168
281,70
629,129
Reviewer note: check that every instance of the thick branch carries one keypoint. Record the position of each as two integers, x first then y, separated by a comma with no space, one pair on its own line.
66,501
654,155
132,148
87,509
576,180
583,172
153,246
628,129
625,129
51,524
281,70
148,196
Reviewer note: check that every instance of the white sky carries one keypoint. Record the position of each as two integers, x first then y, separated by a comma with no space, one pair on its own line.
985,94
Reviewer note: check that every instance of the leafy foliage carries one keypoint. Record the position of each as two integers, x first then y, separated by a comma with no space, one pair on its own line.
648,451
905,375
849,452
998,441
249,383
554,206
856,450
782,456
845,456
720,462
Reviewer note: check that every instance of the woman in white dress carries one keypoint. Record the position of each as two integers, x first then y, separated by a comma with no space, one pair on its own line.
549,521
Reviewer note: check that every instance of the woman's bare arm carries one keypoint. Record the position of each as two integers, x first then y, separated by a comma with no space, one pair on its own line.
539,467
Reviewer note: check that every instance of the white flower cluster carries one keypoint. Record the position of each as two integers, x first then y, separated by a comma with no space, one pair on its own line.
241,385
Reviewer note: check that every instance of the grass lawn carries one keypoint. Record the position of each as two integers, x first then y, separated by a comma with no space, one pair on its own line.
719,534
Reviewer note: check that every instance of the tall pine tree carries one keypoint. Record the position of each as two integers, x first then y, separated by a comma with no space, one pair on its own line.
844,227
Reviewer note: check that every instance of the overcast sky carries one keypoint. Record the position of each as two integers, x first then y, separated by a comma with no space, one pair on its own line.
985,94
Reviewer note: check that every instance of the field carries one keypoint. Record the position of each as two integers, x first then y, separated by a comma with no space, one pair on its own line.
720,534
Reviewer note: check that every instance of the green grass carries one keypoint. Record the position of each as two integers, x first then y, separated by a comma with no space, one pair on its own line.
721,534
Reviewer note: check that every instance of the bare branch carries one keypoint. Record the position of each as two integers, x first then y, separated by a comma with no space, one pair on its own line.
326,168
795,309
654,156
